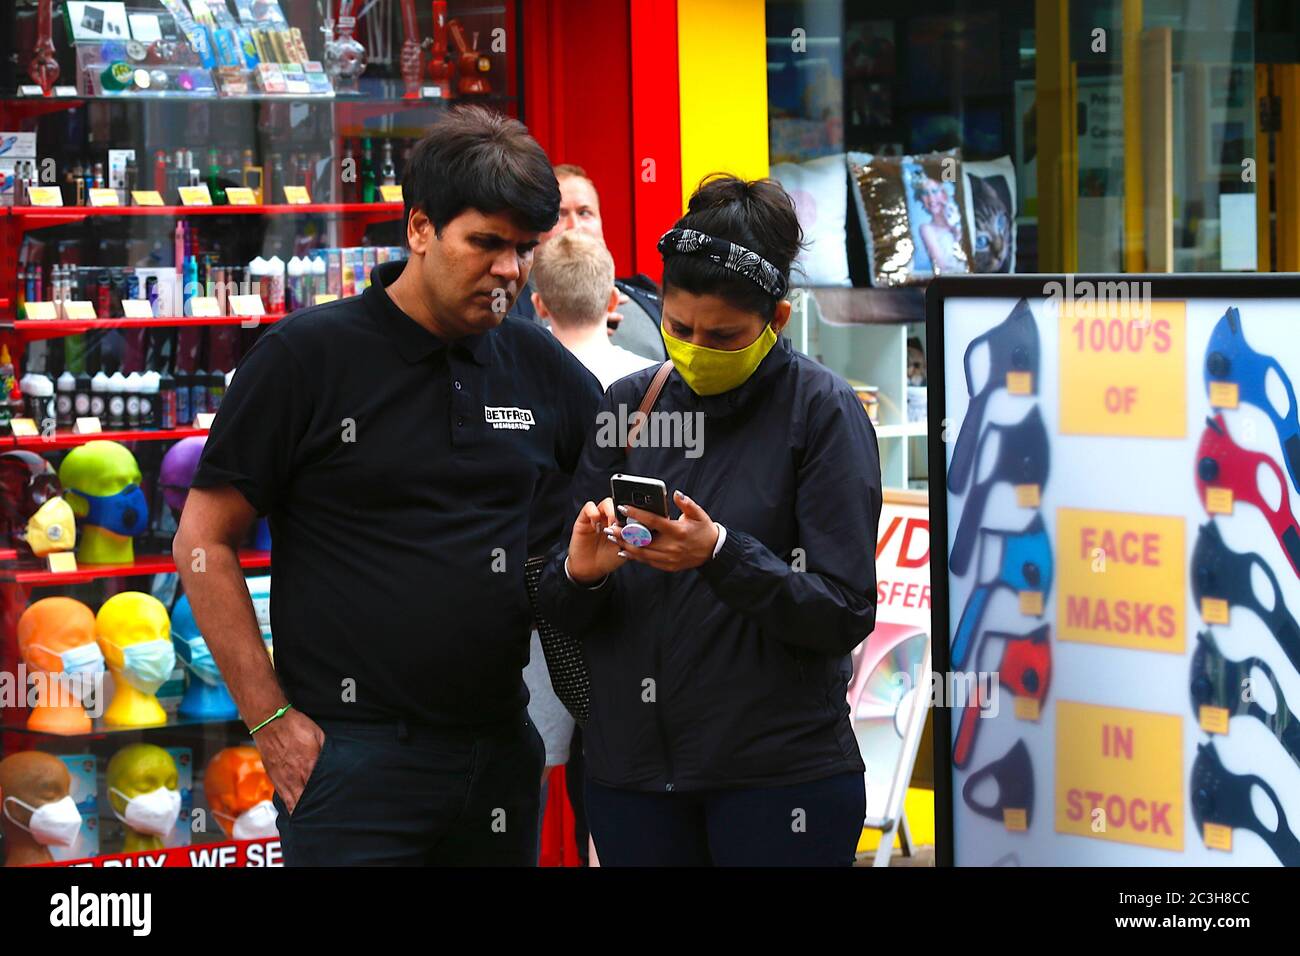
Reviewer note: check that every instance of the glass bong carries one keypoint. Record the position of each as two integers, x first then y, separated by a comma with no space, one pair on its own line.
345,58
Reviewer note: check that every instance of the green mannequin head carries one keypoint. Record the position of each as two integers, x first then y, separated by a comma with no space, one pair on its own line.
102,484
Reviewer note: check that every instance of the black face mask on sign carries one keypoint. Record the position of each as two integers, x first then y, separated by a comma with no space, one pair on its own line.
1223,798
1014,774
1023,456
1013,347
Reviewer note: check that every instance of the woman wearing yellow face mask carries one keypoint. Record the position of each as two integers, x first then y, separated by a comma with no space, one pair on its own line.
719,730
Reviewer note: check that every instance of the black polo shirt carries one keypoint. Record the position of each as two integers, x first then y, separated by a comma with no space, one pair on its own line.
399,473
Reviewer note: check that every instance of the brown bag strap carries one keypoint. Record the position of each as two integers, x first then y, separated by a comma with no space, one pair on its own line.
648,402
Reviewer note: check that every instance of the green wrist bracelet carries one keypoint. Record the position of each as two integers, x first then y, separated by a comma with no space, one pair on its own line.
276,716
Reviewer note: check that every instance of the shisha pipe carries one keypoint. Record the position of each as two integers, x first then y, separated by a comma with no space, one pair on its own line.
43,68
412,50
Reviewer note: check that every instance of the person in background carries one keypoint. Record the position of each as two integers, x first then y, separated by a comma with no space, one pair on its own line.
573,279
573,291
634,325
720,652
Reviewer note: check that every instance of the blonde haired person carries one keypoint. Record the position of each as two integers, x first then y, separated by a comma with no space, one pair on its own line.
574,282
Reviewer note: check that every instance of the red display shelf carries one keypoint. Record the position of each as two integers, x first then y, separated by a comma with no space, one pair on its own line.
33,329
71,440
144,565
59,215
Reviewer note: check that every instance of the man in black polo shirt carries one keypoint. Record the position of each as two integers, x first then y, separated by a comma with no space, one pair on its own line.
397,440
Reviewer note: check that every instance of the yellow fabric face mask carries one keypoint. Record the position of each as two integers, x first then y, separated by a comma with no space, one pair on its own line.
52,528
714,371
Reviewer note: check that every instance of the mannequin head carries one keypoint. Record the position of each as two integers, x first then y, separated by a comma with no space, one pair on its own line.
236,783
135,635
28,781
102,481
39,519
177,471
206,695
56,635
143,794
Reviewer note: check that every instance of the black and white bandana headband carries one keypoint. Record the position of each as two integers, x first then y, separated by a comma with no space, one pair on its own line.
728,255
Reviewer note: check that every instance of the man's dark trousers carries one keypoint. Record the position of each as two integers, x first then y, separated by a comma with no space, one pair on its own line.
402,794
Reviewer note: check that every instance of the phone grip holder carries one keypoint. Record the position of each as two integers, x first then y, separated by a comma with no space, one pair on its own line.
635,534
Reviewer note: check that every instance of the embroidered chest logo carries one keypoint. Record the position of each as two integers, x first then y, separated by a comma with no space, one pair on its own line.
509,417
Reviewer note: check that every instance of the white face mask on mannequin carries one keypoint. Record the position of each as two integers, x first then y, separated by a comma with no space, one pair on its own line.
154,812
52,824
255,823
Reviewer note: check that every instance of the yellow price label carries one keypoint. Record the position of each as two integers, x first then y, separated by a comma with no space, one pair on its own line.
103,197
391,193
1214,610
146,197
195,196
1217,837
1213,720
1218,501
296,195
240,196
1224,395
61,563
1031,603
1029,496
1020,383
45,196
1027,708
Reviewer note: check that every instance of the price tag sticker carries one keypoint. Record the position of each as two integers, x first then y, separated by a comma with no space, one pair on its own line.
41,311
24,428
1218,501
296,195
1217,837
87,426
1015,819
1031,602
103,197
246,305
61,563
1224,395
1020,383
1213,720
1028,496
1214,610
205,306
323,297
30,89
146,197
391,193
1027,708
65,91
431,92
80,310
137,309
204,420
240,196
195,195
45,196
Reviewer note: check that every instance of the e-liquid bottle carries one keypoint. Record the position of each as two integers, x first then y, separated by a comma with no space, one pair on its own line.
166,414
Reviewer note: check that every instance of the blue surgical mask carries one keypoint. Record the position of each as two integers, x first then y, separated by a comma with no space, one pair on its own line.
195,655
147,665
124,513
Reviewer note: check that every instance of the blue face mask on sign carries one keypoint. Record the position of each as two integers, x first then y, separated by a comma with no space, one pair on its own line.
1229,359
124,513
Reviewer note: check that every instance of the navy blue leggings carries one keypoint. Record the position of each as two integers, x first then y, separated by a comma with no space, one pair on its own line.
806,824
